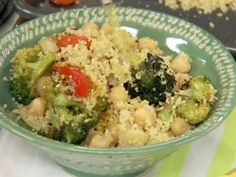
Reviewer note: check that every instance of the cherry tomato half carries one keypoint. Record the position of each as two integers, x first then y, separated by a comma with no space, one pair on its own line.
81,83
71,39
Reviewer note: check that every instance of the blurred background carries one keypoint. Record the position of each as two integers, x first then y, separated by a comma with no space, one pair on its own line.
216,16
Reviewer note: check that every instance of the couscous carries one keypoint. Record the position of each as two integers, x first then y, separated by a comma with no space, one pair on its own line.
101,87
203,6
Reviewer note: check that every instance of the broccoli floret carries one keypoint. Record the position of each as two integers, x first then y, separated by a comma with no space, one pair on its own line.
72,129
61,100
101,104
201,88
71,119
192,111
196,107
27,67
72,134
151,81
165,114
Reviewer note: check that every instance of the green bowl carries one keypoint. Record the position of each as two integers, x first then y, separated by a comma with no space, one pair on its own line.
209,56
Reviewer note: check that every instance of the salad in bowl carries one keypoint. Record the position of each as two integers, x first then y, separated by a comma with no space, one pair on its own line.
102,87
104,100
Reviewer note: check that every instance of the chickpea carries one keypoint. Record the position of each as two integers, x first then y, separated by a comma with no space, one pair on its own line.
118,93
106,28
181,63
145,116
151,110
38,106
100,141
90,29
147,43
42,85
132,137
179,126
181,79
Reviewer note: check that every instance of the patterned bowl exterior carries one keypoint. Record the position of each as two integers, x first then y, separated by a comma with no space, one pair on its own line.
218,64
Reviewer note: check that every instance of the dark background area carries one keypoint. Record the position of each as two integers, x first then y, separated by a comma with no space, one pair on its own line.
224,27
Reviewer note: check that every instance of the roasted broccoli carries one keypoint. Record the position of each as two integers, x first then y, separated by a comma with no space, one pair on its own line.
166,113
75,120
199,95
151,81
201,89
27,67
192,111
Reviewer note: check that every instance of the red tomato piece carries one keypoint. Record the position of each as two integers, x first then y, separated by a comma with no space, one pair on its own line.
71,39
81,83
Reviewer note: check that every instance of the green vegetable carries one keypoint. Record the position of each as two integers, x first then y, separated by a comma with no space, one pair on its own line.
40,67
192,111
71,119
151,81
73,135
101,104
27,67
165,114
196,107
201,88
61,100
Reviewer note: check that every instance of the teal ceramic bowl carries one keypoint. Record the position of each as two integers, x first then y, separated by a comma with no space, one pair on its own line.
209,56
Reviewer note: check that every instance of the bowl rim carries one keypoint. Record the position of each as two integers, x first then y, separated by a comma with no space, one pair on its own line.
50,143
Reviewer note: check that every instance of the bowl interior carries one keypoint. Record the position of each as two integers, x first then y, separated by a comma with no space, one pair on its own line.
209,56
